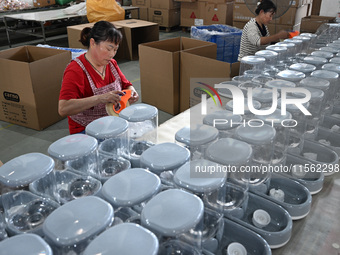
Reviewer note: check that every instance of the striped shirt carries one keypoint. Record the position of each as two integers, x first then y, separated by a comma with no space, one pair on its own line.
251,39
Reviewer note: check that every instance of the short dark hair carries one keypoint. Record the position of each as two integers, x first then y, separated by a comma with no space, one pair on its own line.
100,32
266,6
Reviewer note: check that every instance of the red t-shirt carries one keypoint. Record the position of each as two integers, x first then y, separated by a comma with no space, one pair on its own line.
76,85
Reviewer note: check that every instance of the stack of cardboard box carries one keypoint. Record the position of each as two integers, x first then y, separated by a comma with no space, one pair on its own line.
144,6
206,12
290,20
164,12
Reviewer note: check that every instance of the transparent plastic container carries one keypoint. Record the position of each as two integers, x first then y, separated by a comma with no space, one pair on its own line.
245,77
305,68
318,62
322,54
264,96
298,43
281,50
261,79
175,217
296,133
71,227
251,63
234,155
28,244
163,159
143,122
322,84
125,238
130,189
247,113
68,186
261,138
78,151
305,43
332,77
196,138
291,75
224,92
19,172
205,186
26,212
291,49
312,37
244,86
225,121
279,83
270,56
315,104
281,123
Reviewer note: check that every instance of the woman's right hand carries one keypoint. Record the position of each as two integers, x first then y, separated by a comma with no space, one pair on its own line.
283,34
111,97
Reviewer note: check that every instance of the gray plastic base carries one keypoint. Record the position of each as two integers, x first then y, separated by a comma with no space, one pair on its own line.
326,159
312,181
234,232
278,232
297,198
329,138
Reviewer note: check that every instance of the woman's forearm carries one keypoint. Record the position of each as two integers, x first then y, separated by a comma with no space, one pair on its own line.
75,106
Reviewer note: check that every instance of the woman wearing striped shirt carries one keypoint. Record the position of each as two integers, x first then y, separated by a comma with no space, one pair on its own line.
255,34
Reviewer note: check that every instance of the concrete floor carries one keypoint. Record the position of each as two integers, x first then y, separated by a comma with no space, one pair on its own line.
17,140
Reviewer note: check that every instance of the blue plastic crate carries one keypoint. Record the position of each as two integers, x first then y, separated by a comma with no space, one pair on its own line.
227,38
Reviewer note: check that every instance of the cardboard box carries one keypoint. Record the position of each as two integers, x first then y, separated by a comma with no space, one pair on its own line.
143,13
294,3
199,63
165,17
164,4
292,16
136,32
311,23
73,34
141,3
186,1
242,13
30,84
218,13
190,12
42,3
160,70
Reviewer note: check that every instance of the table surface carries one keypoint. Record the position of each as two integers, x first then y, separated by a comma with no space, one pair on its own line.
316,234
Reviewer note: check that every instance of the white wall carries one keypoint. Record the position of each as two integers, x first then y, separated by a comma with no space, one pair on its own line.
330,8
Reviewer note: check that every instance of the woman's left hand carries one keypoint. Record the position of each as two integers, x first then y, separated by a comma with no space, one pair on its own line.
134,96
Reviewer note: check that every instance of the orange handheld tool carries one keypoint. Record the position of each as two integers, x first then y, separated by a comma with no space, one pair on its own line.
114,110
293,34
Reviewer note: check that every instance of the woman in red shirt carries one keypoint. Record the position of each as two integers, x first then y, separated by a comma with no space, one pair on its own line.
94,78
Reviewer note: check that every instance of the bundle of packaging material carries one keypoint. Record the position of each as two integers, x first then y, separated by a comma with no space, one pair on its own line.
226,37
75,52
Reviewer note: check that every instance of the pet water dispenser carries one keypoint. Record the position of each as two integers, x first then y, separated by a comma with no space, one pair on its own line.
143,123
248,115
323,54
291,75
264,96
316,61
125,238
129,191
270,56
28,244
225,121
71,227
196,138
76,152
163,159
251,63
305,68
173,216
